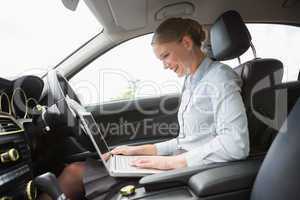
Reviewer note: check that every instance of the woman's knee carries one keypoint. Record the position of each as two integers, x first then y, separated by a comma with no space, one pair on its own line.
71,180
72,173
75,169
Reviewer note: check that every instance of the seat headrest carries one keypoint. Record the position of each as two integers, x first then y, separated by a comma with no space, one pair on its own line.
230,37
258,74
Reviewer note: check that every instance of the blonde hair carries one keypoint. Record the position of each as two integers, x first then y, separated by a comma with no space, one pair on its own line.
173,29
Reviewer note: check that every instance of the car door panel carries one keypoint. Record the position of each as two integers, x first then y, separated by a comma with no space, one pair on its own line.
141,121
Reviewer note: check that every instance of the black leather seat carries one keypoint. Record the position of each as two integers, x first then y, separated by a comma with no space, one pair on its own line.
279,176
230,38
286,96
258,74
234,180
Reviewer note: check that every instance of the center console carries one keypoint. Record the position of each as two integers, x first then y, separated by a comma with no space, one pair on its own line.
220,181
15,161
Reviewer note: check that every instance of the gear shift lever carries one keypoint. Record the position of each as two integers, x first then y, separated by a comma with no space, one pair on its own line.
48,184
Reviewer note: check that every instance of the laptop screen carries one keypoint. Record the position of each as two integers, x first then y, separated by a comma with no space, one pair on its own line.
95,134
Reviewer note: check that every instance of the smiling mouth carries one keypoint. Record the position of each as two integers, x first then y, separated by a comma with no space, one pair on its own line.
175,70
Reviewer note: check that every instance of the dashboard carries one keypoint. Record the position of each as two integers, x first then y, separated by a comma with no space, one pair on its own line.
20,96
17,101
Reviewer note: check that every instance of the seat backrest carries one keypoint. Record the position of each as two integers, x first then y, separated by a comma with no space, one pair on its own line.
258,74
274,113
279,177
230,38
287,95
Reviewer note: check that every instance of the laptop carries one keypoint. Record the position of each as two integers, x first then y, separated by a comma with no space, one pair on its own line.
116,165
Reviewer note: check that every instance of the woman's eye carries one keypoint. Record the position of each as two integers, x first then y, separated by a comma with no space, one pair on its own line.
166,55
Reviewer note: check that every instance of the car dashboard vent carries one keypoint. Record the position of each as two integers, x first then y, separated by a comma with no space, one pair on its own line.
9,126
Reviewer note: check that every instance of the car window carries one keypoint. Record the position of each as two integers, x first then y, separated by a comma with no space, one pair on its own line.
36,35
131,71
126,72
275,41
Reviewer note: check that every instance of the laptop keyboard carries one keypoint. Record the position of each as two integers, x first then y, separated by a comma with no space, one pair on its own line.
124,162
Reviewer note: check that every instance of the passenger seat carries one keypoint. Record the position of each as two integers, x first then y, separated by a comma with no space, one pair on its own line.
278,178
230,38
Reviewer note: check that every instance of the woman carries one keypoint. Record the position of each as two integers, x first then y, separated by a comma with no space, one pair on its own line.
212,118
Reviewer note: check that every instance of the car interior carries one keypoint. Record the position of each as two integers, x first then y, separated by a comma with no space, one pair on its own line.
40,132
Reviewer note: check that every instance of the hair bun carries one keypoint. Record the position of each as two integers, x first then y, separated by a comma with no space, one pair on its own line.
195,27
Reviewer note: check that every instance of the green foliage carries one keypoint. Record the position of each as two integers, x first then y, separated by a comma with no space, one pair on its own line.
128,93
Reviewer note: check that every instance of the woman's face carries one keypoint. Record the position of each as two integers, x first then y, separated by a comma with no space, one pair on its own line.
174,55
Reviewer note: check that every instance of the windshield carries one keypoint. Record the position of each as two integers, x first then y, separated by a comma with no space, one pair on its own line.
36,35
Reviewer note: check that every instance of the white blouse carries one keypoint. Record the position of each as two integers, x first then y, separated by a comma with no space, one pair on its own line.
212,118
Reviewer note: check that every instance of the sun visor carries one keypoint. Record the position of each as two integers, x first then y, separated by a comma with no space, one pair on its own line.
129,17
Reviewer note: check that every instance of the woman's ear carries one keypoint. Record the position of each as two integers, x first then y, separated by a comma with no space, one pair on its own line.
187,42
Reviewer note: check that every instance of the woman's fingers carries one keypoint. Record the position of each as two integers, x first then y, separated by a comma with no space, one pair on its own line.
158,162
143,163
124,150
116,151
120,150
141,160
106,156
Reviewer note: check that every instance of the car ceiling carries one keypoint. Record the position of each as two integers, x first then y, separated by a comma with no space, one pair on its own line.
144,15
125,19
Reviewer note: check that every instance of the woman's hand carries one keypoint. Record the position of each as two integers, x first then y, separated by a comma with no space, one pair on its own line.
126,150
148,149
161,162
106,156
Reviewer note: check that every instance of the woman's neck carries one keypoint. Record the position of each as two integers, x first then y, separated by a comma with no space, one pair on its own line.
198,58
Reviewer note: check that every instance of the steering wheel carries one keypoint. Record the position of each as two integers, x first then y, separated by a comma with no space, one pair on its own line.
63,101
59,87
